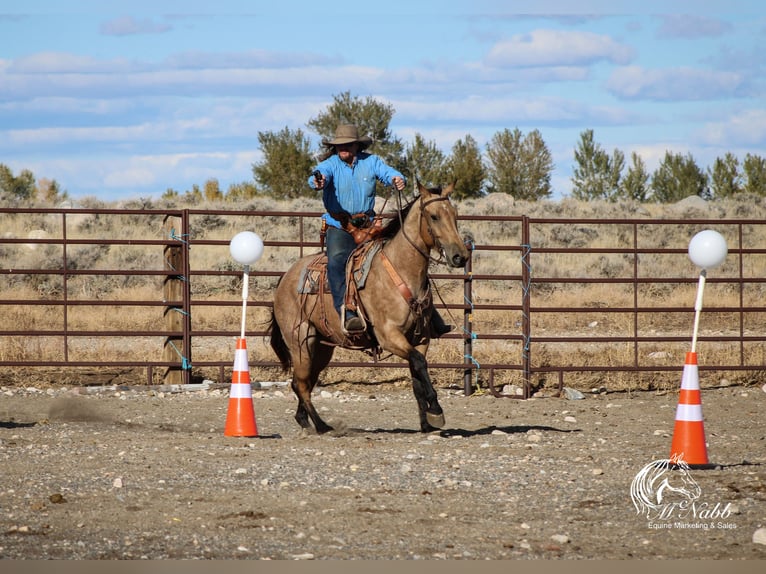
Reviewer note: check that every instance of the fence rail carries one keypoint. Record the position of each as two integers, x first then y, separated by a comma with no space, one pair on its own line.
540,297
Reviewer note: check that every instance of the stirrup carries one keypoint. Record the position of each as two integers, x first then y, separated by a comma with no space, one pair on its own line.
343,323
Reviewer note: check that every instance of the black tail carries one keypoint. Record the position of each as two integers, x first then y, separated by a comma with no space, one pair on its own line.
278,344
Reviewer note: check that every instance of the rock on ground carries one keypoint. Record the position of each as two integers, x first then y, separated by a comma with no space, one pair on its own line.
137,473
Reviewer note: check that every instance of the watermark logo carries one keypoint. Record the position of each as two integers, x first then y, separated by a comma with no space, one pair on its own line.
666,494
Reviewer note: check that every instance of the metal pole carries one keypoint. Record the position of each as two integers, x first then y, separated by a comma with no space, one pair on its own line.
245,281
468,323
698,308
526,283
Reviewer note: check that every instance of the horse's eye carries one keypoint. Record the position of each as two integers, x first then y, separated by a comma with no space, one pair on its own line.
434,217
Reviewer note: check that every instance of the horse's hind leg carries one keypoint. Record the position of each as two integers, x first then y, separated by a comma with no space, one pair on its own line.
305,377
431,413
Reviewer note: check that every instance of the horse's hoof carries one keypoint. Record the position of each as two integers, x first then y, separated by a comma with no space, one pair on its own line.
436,421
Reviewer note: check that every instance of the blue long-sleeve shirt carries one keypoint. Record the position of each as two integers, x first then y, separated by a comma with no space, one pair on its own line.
351,188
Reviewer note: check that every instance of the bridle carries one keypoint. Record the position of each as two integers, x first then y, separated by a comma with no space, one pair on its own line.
417,307
434,238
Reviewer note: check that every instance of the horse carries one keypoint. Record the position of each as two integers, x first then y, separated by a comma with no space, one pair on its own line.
395,301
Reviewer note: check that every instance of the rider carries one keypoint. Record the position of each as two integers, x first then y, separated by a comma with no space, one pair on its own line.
347,178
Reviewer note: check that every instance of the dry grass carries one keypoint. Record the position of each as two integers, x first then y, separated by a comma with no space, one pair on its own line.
552,266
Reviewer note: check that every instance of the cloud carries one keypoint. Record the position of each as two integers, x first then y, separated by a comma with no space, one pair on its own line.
128,26
746,128
557,48
43,63
132,176
673,84
79,135
146,172
501,109
248,59
691,26
133,124
65,74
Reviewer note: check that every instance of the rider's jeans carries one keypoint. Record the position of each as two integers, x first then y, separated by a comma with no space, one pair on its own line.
340,244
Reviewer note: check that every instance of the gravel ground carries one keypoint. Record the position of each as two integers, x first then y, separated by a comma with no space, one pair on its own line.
137,473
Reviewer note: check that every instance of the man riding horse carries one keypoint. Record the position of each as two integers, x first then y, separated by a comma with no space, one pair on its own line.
347,180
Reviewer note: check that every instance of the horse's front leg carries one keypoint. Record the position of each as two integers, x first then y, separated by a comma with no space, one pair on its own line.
393,340
431,414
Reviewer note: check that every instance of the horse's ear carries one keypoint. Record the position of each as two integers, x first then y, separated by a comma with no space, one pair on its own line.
422,190
449,189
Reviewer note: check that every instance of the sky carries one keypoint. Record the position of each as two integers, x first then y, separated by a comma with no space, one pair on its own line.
123,100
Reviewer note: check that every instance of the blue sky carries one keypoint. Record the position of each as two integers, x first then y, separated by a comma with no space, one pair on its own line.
123,100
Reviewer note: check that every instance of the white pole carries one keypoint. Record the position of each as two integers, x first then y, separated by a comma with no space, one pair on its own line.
245,281
698,307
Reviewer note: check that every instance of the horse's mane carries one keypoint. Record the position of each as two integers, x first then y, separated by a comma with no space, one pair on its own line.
394,224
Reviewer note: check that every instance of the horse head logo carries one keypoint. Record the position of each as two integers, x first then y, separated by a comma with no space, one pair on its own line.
662,484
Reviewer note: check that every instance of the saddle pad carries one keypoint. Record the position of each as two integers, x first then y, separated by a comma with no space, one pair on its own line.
361,259
311,276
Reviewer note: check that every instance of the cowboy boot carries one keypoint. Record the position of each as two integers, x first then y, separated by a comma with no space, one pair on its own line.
353,323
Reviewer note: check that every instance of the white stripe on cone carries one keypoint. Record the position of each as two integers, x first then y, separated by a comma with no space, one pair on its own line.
240,391
690,378
690,413
240,360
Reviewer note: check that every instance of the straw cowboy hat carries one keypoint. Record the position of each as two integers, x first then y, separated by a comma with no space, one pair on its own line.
347,133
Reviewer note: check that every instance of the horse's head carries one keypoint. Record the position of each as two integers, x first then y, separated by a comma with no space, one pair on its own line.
438,225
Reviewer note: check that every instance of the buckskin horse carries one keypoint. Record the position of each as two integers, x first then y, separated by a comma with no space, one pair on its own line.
395,301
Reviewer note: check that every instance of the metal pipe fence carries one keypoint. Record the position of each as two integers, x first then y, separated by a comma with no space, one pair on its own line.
541,299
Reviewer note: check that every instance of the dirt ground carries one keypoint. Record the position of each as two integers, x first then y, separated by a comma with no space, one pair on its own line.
142,473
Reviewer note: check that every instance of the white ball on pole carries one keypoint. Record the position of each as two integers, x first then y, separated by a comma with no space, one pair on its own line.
246,247
708,249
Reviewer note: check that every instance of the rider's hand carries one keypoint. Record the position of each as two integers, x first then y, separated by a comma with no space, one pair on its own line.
398,183
318,180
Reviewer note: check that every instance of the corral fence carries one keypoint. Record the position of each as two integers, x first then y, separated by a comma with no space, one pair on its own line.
540,301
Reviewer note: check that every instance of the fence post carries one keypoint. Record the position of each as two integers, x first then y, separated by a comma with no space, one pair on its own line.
468,322
173,289
526,287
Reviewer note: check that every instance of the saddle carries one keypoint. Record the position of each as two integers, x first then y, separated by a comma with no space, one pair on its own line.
313,281
360,226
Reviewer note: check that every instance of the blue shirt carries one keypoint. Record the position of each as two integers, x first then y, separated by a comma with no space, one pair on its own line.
351,188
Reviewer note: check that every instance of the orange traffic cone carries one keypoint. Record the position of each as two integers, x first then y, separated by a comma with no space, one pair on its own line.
689,433
240,420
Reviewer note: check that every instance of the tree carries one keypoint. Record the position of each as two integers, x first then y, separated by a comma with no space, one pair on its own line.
725,177
596,175
21,187
678,177
49,191
238,191
426,162
754,168
371,117
193,196
467,168
287,164
635,184
519,166
212,190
